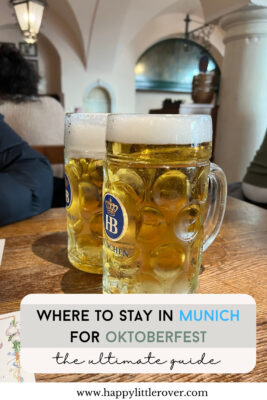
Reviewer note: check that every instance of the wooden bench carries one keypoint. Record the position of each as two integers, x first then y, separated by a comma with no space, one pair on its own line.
55,154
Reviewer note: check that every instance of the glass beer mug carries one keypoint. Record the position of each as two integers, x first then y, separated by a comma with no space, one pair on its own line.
84,153
163,202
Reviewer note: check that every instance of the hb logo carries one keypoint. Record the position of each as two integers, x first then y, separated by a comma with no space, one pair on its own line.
111,224
115,217
67,191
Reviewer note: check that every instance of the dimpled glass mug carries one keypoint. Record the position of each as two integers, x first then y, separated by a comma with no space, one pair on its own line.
163,202
84,153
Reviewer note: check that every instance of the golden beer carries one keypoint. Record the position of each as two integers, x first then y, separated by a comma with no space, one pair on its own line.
155,204
84,140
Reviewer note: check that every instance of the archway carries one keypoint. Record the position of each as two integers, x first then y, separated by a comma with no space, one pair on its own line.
170,65
49,67
166,70
99,98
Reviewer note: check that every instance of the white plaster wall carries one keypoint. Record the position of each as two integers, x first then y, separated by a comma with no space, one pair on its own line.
214,9
102,40
121,31
162,27
10,34
48,60
49,68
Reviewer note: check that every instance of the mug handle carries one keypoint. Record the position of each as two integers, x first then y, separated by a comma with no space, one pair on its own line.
216,204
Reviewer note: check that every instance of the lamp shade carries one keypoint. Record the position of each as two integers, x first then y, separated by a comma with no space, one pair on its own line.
29,14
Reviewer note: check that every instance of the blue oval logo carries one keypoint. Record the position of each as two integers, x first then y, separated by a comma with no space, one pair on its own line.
115,217
67,191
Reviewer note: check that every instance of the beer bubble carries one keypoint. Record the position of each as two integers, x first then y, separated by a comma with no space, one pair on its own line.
132,179
152,224
181,285
95,225
89,198
167,259
187,223
170,190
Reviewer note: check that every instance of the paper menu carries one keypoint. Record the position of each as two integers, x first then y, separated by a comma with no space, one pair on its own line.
10,369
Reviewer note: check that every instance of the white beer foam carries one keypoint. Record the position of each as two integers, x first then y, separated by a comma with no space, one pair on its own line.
159,128
85,132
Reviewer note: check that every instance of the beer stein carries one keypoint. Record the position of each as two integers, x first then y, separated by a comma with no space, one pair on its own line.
84,153
163,202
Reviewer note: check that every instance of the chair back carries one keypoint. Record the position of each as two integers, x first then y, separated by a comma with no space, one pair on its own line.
55,154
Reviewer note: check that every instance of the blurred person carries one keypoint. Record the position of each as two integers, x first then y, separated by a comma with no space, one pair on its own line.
26,178
38,120
254,185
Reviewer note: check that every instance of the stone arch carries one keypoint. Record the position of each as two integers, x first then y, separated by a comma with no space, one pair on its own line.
99,97
170,64
60,14
50,67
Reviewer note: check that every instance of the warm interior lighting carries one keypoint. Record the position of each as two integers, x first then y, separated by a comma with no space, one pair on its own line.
139,69
29,14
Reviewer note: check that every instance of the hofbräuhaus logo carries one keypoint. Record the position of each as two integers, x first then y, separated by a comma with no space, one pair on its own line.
68,191
115,217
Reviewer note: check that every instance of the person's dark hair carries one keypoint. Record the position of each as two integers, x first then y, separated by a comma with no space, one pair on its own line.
18,79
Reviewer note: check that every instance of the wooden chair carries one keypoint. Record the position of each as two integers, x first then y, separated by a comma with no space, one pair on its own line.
168,107
55,154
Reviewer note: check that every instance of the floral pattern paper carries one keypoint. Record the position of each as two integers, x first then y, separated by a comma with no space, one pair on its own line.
10,366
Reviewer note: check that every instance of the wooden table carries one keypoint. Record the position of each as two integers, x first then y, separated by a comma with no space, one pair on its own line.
35,261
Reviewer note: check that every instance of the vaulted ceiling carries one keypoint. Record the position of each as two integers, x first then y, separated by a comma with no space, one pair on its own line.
92,26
